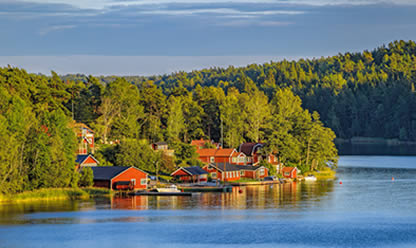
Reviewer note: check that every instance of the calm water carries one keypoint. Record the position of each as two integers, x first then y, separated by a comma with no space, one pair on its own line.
367,210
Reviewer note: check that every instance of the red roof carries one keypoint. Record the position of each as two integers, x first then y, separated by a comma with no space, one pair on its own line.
250,148
206,152
217,152
224,152
199,143
288,169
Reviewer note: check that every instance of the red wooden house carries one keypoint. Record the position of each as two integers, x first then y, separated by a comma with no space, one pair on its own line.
228,155
223,171
289,172
119,177
252,151
83,160
192,174
253,172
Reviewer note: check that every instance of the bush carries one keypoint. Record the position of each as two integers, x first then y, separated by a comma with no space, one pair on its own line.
87,177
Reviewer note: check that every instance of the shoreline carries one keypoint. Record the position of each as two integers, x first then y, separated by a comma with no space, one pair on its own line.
52,194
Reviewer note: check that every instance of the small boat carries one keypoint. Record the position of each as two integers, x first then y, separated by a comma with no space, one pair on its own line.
310,178
171,189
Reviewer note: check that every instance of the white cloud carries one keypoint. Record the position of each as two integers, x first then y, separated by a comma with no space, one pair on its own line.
55,28
221,11
239,23
103,4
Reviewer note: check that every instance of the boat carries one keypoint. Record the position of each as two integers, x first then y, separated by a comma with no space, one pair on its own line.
171,189
310,178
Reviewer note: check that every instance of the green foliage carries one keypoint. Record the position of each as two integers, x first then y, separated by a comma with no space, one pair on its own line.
296,107
38,146
186,155
87,177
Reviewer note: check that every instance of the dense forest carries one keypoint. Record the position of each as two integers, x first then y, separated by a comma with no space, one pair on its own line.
37,114
370,94
289,105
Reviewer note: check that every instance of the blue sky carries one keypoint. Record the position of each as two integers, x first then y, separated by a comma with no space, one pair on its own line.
143,37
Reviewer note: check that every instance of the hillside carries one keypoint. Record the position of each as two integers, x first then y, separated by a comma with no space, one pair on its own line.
356,94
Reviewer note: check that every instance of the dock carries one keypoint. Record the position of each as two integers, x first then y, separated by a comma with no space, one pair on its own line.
222,189
257,183
148,193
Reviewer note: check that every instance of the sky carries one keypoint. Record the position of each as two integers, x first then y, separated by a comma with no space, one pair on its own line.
147,37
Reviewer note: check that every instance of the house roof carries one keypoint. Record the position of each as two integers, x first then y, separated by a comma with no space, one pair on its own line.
199,143
195,170
82,157
216,152
250,148
206,152
225,166
192,171
224,152
250,167
161,143
288,169
234,167
107,172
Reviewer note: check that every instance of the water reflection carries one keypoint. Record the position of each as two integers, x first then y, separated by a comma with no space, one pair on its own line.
289,195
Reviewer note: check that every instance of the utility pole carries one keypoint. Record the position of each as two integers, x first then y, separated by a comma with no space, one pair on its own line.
222,135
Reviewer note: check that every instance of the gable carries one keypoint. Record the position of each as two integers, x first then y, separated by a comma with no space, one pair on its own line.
89,160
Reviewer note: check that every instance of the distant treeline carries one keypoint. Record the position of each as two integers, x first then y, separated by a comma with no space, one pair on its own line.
369,94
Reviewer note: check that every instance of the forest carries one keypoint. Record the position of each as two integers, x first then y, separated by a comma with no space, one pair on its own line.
366,94
296,107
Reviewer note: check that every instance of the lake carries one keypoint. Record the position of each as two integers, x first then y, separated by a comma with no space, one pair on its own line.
368,209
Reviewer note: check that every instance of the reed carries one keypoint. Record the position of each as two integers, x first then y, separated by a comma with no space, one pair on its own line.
55,194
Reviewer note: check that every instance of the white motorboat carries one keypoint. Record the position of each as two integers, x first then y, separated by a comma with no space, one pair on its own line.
310,178
171,188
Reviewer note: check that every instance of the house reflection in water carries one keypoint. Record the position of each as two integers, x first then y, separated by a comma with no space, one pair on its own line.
288,195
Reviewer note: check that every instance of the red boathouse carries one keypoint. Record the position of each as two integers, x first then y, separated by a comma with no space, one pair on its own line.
119,177
192,174
289,172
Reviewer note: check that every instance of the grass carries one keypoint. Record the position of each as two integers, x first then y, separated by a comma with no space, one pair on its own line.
54,194
324,174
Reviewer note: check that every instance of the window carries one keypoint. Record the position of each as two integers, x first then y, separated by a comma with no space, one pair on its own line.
262,172
287,173
214,175
143,181
133,181
242,173
234,159
212,159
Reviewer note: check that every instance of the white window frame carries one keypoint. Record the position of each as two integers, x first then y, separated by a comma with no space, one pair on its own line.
143,180
212,159
262,172
214,175
133,181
